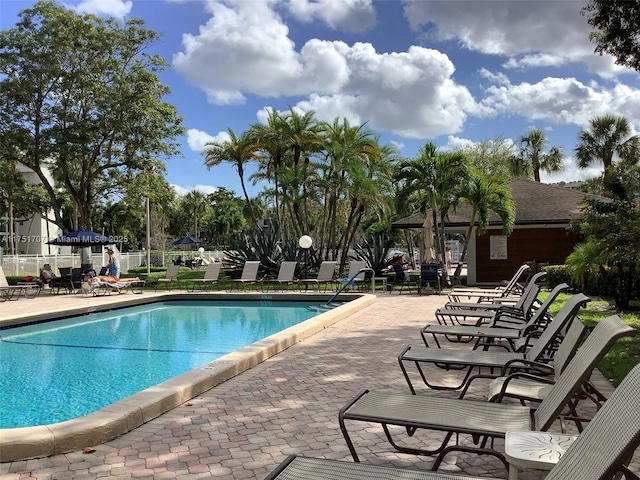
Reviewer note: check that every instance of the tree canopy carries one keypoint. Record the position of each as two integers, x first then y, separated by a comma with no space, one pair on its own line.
81,97
618,29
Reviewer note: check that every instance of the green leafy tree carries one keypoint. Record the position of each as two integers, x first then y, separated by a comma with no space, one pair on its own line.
225,218
532,156
491,157
608,138
81,97
617,23
611,229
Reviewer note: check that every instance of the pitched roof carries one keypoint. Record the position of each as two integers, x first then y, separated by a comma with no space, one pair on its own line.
536,203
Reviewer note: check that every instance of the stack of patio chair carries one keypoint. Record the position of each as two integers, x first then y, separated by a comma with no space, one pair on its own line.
430,278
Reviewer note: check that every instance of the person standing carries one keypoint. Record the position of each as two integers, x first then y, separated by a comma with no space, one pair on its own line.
114,265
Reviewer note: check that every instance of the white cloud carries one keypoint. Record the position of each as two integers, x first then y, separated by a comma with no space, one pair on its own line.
535,60
182,191
113,8
453,143
197,139
571,173
530,33
564,101
353,15
245,48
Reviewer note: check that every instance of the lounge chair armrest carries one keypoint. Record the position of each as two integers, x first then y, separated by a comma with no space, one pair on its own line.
519,375
521,364
476,377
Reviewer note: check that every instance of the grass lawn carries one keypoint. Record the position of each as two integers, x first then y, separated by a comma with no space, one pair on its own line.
625,354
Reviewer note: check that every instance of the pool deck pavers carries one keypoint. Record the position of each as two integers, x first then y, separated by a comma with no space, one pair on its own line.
288,404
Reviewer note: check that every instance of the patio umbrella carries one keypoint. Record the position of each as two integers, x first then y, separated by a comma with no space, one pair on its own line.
429,255
82,238
187,240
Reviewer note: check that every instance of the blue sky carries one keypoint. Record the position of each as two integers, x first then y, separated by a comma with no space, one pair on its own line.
450,72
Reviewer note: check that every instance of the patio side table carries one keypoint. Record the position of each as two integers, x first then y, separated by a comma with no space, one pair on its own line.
375,280
540,450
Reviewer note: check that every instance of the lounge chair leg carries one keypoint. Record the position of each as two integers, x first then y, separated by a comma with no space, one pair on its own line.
343,428
460,448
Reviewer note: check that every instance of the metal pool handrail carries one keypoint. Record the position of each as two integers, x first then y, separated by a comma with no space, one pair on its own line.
366,269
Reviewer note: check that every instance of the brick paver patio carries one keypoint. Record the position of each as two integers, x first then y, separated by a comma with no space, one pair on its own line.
244,427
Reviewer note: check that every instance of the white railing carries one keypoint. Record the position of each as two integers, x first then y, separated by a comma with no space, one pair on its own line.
21,265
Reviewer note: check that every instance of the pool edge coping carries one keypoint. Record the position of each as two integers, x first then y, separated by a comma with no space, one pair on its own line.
129,413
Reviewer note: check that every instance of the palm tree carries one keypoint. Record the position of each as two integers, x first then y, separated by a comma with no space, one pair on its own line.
433,181
486,195
196,202
533,157
286,143
355,164
238,151
608,136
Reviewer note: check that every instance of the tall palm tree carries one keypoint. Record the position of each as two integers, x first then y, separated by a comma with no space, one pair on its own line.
533,157
354,162
608,136
238,150
197,204
432,184
286,142
485,195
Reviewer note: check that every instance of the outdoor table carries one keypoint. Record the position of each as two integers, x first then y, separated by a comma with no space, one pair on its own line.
540,450
384,281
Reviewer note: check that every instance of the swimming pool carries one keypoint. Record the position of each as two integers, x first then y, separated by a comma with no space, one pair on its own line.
56,371
131,412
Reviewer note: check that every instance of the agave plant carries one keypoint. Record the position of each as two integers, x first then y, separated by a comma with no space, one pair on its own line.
264,245
259,244
374,250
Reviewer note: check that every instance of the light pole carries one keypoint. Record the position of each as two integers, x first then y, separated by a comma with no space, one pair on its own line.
148,238
305,243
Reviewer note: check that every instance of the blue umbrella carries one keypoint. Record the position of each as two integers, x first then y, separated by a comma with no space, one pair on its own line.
187,240
81,238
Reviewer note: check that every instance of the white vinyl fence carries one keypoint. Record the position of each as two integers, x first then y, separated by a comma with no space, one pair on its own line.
21,265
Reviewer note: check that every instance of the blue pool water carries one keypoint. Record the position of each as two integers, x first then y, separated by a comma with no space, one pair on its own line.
55,371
